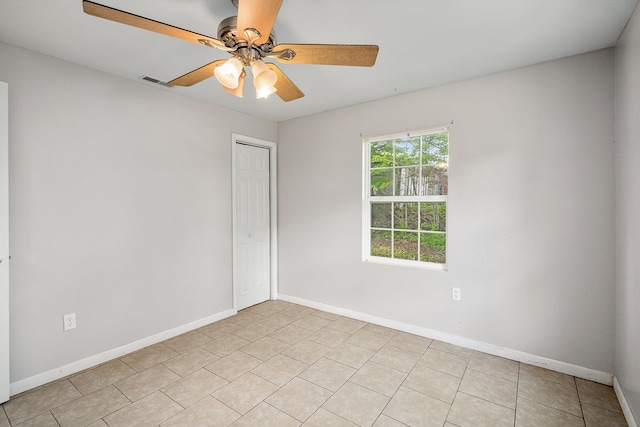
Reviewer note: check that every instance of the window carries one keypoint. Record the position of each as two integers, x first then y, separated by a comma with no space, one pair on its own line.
405,198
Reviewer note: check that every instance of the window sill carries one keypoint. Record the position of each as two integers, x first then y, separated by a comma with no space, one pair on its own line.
406,263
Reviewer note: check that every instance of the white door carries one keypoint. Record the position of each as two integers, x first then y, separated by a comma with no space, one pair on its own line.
252,226
4,243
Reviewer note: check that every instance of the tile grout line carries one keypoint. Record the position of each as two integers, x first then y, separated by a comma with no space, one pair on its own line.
575,385
515,415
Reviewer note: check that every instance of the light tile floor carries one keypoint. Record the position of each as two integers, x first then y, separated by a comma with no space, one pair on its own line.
281,364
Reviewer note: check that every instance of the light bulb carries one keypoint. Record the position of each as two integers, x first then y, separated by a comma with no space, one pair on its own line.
265,92
229,73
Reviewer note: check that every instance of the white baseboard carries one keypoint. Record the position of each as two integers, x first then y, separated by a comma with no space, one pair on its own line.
89,362
624,404
519,356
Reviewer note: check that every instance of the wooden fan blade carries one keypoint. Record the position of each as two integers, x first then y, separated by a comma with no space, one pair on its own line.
286,90
259,15
122,17
327,54
197,75
237,91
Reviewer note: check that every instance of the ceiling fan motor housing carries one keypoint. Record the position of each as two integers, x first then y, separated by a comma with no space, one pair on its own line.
228,34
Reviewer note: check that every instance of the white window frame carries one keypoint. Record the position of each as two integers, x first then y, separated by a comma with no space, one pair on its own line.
367,200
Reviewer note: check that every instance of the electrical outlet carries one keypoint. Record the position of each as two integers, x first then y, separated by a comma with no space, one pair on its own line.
455,294
69,321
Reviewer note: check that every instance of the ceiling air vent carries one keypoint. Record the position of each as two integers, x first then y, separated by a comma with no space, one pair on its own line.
155,81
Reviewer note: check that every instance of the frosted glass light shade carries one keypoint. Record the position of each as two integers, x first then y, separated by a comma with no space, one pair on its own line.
229,73
263,78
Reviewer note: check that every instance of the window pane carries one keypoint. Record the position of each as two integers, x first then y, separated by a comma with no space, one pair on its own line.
435,149
381,180
435,164
381,154
381,215
407,181
433,247
433,216
405,216
381,243
405,245
434,182
407,151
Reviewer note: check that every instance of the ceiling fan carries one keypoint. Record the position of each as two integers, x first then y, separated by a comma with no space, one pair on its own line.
249,39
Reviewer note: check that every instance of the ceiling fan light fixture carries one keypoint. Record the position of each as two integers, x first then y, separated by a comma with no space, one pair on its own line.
263,77
229,73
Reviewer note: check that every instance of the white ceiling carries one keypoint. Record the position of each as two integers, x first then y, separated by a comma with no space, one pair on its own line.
423,43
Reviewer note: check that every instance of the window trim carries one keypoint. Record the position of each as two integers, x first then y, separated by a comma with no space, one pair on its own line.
367,200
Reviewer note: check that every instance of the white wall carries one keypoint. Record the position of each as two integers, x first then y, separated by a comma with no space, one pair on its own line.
628,212
531,211
120,209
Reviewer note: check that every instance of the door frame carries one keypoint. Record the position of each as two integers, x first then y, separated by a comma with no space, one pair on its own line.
273,212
